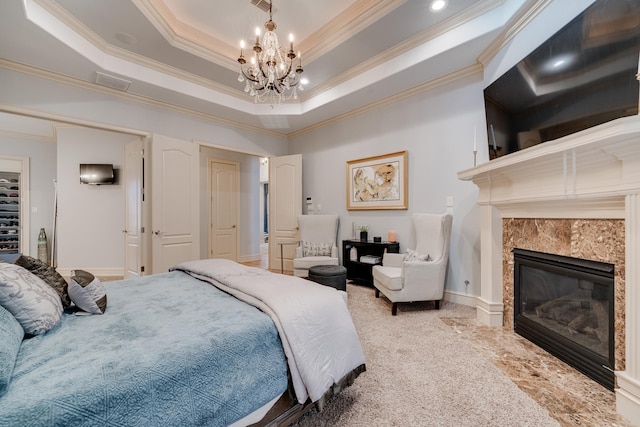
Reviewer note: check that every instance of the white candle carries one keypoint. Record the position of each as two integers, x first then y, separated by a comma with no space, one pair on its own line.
475,143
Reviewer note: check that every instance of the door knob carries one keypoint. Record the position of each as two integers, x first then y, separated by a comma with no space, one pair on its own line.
156,232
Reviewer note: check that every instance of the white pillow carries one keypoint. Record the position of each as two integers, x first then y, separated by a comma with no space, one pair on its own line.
86,291
316,249
34,304
411,255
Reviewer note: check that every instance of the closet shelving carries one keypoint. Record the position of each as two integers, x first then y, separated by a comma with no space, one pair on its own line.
9,213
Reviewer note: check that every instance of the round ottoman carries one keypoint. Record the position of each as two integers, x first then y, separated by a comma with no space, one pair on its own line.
329,275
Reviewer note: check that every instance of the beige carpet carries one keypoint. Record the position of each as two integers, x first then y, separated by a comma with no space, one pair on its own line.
421,373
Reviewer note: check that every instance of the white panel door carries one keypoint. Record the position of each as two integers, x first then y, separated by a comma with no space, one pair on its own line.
224,209
174,202
133,207
285,204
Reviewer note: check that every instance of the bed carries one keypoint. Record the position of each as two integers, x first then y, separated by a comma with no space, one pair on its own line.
210,342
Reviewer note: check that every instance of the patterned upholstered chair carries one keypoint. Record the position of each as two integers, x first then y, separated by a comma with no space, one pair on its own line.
417,275
318,235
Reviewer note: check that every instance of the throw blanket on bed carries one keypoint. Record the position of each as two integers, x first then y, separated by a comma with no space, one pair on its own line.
170,350
316,329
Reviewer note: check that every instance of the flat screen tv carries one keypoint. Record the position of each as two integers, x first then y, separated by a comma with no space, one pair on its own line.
96,173
583,76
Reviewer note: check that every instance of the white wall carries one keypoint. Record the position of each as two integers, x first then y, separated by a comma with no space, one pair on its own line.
76,103
53,97
90,217
42,172
436,128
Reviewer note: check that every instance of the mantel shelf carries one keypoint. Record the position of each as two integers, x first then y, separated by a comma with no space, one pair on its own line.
593,169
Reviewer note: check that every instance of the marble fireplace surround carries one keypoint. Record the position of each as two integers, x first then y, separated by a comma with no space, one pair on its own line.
578,195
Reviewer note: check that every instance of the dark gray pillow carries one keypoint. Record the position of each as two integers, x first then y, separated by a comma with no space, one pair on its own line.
48,274
87,292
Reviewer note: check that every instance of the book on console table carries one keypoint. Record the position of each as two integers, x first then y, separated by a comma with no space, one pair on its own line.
370,259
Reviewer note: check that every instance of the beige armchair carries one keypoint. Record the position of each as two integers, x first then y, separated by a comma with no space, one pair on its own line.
402,279
318,235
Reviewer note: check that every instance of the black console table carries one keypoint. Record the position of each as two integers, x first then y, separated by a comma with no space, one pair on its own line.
360,272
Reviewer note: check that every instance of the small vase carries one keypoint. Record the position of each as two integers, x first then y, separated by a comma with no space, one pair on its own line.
43,253
364,236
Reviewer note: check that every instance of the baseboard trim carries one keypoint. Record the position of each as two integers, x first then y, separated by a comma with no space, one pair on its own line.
490,313
460,298
98,272
249,258
628,397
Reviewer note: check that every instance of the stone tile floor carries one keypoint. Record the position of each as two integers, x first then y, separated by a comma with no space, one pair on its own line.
570,397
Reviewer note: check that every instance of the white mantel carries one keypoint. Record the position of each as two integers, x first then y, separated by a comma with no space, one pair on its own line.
594,173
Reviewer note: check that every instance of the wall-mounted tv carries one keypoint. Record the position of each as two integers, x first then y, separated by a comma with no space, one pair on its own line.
97,173
583,76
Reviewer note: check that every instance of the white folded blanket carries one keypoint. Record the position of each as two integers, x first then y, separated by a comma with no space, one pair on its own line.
315,326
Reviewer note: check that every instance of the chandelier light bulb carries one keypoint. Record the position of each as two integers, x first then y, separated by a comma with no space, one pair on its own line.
271,74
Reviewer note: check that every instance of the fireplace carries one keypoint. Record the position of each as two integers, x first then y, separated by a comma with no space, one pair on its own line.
589,178
566,306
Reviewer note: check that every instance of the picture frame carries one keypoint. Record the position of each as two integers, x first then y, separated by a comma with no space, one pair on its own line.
378,182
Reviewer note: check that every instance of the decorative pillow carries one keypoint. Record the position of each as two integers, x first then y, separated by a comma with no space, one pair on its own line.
34,304
411,255
11,335
87,292
316,249
49,274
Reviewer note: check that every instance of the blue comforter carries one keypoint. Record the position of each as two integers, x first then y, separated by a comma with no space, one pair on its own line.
170,350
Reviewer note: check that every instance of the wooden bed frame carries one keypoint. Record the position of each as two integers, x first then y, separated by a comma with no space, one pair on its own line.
285,412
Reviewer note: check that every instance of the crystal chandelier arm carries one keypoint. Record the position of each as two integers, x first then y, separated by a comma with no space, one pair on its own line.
272,75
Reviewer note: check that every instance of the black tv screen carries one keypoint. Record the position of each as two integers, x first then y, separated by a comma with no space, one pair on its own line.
96,173
583,76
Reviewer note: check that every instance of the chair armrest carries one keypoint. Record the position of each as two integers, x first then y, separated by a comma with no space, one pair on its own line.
334,252
423,271
392,260
298,252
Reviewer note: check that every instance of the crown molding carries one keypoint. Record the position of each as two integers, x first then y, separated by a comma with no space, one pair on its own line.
72,81
185,37
83,31
30,136
432,84
517,23
351,21
478,9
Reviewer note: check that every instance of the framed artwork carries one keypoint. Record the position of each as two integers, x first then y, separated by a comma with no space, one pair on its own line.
378,182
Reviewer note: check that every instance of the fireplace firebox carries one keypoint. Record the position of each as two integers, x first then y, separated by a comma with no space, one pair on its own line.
565,305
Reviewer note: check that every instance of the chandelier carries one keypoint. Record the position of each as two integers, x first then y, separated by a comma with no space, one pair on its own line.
270,74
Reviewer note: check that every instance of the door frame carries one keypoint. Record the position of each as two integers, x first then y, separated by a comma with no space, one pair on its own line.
140,207
21,165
